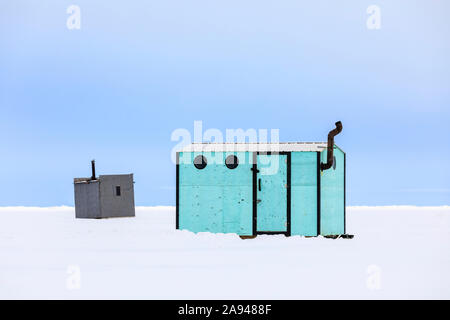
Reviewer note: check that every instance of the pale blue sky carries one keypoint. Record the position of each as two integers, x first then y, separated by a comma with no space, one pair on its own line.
136,70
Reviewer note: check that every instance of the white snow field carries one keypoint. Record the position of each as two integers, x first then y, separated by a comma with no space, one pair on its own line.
398,252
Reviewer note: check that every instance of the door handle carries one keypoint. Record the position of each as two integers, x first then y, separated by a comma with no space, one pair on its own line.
259,184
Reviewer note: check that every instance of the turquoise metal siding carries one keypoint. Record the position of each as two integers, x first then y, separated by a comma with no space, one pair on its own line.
304,193
272,193
215,199
332,205
220,200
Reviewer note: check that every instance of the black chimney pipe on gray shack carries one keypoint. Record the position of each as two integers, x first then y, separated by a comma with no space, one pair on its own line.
93,170
330,147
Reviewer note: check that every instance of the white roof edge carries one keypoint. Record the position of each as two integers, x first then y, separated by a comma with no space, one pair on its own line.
252,147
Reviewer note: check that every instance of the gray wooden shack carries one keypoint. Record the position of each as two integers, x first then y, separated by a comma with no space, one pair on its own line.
106,196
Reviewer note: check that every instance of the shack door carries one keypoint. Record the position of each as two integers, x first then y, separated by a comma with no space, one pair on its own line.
272,190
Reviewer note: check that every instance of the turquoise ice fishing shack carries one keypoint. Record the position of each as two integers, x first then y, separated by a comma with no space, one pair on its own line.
294,188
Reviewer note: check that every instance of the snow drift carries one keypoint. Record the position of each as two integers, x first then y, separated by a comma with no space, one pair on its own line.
398,252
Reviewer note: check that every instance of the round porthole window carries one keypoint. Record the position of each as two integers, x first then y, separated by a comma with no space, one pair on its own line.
231,162
200,162
334,163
